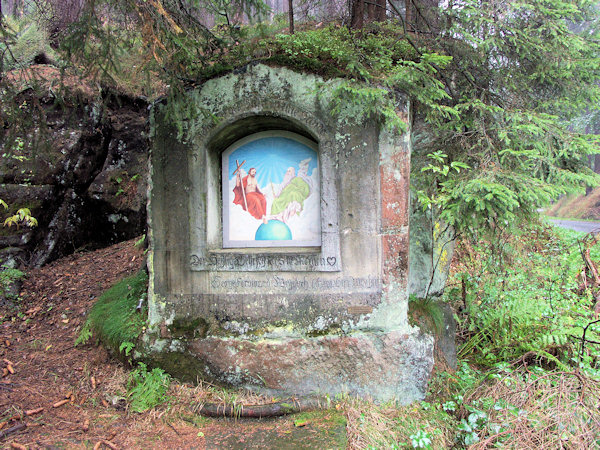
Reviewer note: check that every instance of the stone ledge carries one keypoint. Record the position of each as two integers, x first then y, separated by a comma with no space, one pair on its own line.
383,366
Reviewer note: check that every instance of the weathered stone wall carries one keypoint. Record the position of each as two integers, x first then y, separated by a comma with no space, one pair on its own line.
289,320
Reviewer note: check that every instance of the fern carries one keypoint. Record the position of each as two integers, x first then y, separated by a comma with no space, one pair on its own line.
84,335
530,308
147,389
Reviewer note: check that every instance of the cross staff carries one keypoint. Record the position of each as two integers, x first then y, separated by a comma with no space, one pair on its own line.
239,166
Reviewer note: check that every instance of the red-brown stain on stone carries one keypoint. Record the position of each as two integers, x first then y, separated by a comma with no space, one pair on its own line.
395,175
395,257
394,172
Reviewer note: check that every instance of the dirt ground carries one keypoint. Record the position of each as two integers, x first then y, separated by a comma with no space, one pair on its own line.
56,395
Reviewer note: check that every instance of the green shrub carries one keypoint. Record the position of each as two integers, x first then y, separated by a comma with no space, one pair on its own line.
523,300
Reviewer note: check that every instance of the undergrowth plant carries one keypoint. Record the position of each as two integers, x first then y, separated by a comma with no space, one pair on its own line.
22,217
517,406
520,299
526,376
420,425
147,389
23,39
8,276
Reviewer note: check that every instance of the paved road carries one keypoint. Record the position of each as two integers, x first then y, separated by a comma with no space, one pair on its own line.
577,225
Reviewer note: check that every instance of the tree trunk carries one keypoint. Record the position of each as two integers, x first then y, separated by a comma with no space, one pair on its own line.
370,10
594,161
422,16
291,15
381,13
17,8
409,16
358,14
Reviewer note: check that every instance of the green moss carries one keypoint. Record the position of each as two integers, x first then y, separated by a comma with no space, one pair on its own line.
331,52
332,330
113,318
330,416
426,313
12,231
328,424
180,365
189,328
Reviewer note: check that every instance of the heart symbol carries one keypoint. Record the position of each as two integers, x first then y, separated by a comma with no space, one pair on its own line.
331,260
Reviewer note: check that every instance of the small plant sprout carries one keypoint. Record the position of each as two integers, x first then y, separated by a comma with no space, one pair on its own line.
449,406
421,439
126,347
21,217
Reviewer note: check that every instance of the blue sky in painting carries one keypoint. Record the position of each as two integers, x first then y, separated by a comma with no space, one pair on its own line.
271,157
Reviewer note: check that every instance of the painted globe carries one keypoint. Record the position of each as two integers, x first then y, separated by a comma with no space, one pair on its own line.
273,230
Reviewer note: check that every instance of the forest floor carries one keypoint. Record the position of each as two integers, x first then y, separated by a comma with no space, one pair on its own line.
54,394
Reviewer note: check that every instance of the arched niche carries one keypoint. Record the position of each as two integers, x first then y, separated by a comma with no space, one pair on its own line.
286,151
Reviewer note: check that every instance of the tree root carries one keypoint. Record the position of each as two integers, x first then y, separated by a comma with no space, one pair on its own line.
281,408
17,427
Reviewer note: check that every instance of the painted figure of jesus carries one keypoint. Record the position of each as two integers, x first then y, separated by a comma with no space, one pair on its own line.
248,195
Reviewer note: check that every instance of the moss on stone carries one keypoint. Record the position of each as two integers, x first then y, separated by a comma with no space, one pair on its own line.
189,328
334,329
331,416
180,365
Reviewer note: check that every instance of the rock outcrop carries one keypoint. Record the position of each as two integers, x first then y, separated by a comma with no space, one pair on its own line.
79,166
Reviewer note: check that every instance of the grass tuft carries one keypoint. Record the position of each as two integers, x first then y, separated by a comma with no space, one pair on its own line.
113,319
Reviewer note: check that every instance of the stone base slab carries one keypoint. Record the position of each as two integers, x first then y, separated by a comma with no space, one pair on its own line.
381,366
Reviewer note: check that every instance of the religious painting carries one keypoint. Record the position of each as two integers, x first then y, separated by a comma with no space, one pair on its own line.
271,192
